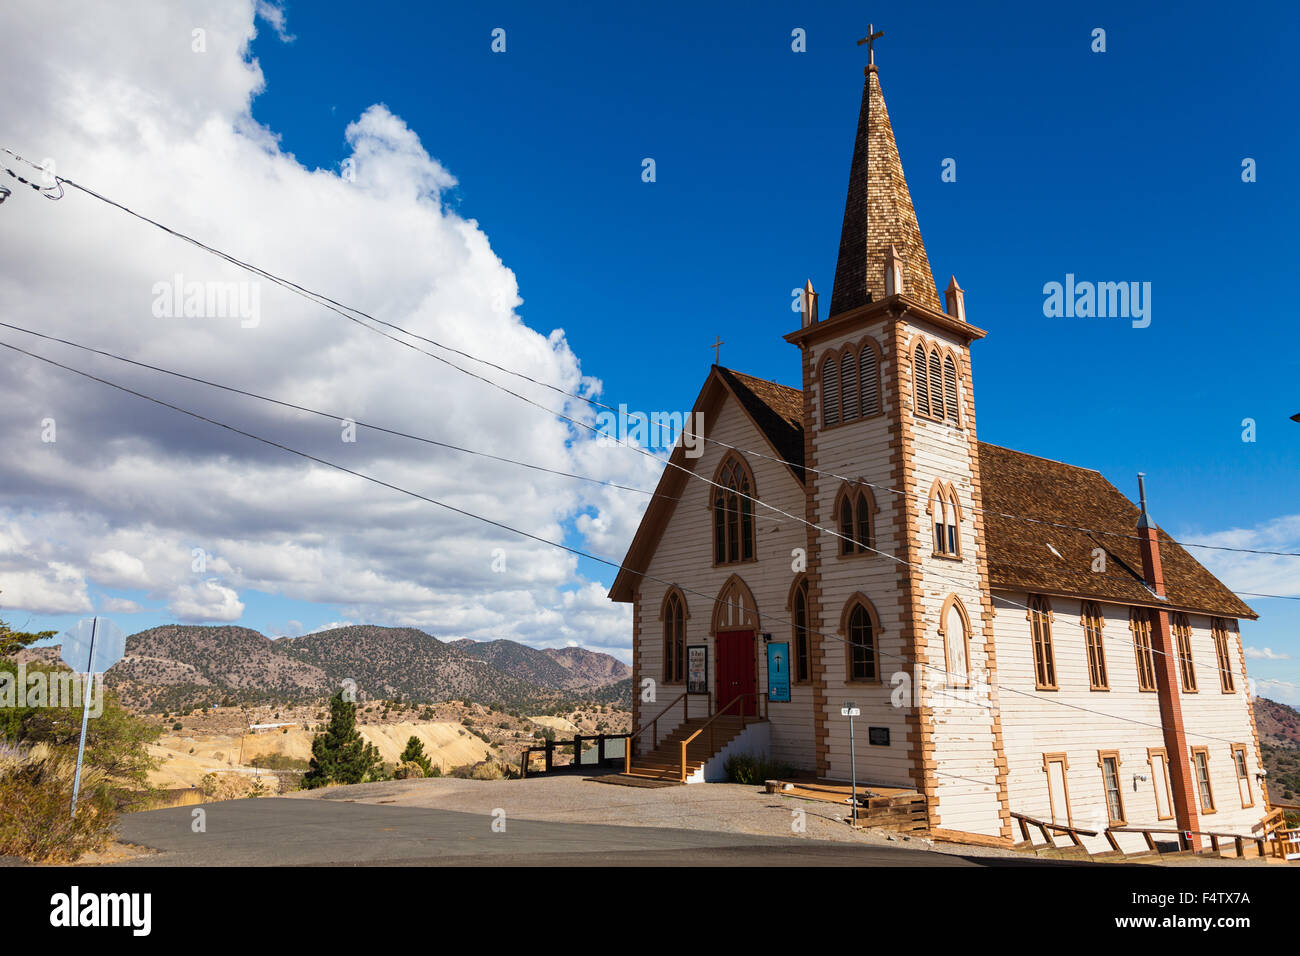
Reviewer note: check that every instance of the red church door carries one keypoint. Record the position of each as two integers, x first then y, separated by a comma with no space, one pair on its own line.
736,671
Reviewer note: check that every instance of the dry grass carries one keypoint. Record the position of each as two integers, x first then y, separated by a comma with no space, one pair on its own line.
35,800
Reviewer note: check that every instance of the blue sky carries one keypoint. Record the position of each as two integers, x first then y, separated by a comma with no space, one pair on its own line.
1122,165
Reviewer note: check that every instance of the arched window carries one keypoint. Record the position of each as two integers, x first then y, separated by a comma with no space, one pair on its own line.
856,514
674,617
733,512
849,408
1040,626
950,400
945,515
1092,624
861,630
1139,622
936,381
1183,641
851,383
936,384
920,381
799,642
954,628
830,391
1223,654
869,379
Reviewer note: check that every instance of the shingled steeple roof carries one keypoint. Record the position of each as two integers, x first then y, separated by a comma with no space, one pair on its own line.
878,213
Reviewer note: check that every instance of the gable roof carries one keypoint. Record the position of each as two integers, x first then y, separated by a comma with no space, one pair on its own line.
1058,498
775,410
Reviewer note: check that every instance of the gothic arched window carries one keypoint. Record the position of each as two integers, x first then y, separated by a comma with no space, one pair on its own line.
733,512
855,510
801,665
936,383
945,516
830,391
850,381
674,618
920,381
861,630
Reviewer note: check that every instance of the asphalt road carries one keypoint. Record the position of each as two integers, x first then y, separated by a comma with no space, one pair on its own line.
278,832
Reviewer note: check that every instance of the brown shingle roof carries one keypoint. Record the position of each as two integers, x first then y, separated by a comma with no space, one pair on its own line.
778,410
1018,551
1017,486
878,213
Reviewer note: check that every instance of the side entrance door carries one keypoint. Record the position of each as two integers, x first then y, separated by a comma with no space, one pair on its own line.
736,672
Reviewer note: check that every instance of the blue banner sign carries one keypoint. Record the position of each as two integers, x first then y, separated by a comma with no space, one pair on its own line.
778,673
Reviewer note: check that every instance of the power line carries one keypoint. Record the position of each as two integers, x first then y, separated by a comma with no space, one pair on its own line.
330,415
419,438
559,545
339,309
250,394
351,313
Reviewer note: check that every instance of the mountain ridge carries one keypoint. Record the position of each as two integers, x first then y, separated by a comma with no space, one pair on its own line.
175,666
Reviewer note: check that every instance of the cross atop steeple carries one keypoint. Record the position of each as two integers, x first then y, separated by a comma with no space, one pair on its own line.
717,349
870,40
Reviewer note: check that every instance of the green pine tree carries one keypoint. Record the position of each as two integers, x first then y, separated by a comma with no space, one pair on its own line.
340,755
414,753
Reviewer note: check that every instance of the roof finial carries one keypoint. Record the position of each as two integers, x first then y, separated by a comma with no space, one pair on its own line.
870,40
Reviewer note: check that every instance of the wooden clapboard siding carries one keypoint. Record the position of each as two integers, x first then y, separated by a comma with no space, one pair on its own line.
1216,720
964,745
1081,722
685,556
861,450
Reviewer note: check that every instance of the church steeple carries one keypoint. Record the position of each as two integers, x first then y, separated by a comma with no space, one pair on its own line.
878,214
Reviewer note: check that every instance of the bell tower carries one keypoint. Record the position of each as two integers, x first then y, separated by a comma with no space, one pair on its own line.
899,592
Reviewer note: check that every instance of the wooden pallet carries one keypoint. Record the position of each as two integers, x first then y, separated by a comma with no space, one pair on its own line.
893,808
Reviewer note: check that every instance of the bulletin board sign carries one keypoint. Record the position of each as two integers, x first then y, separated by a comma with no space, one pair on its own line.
697,669
778,673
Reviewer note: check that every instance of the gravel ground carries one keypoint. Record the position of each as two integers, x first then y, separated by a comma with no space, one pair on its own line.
715,807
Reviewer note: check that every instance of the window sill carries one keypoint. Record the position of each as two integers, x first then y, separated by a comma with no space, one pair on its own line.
856,554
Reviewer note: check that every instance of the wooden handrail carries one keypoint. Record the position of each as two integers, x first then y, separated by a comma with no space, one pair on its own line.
1072,832
654,724
709,724
1239,839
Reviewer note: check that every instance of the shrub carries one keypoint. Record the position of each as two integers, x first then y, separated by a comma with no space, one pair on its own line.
176,726
753,768
408,770
35,797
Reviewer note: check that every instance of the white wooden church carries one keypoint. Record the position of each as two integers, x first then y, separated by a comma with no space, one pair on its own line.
1019,638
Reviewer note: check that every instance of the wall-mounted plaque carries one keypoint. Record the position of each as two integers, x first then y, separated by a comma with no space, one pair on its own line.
878,736
697,669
